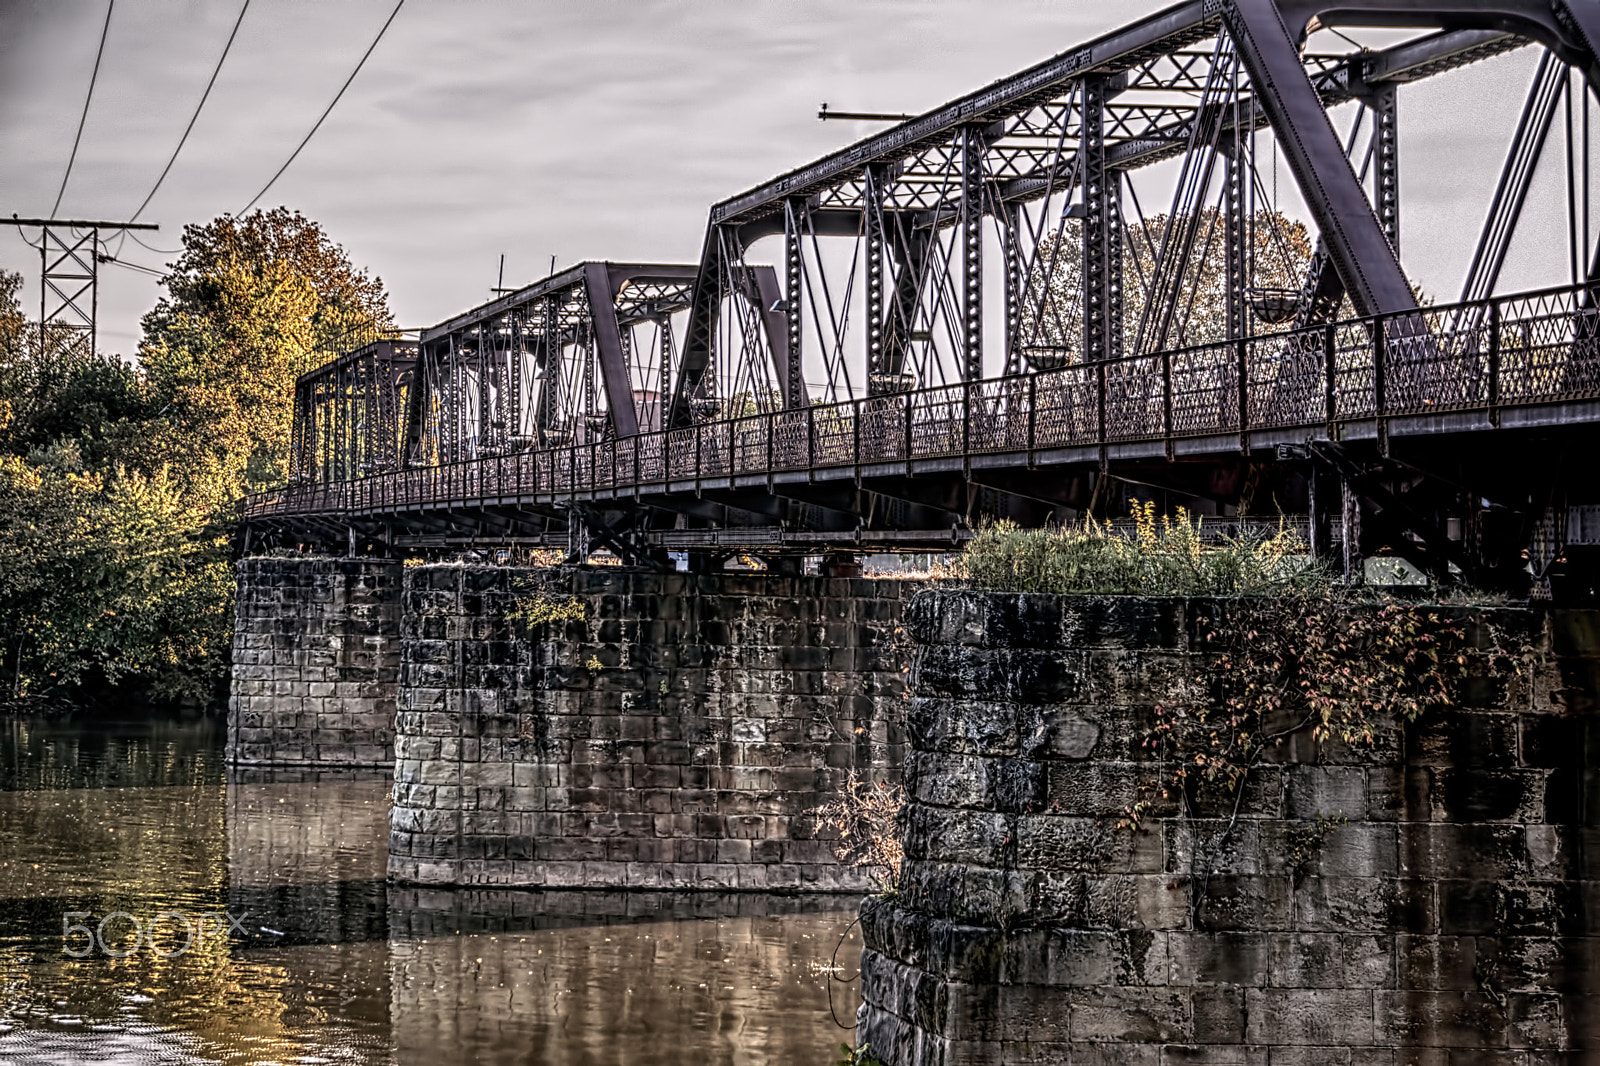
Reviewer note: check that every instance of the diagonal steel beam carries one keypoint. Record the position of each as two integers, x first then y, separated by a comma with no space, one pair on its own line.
1516,177
697,336
601,289
1355,239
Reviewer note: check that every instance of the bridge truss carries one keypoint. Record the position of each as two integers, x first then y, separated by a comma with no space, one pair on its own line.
1035,301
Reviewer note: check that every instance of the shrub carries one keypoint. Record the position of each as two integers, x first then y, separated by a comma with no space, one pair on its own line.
865,817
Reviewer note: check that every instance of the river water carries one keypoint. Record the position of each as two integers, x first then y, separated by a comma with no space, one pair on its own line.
266,933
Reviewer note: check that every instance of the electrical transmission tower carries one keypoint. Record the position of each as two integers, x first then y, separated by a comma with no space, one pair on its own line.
69,274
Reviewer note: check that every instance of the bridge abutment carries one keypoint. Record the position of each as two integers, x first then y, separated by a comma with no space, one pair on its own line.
316,656
613,728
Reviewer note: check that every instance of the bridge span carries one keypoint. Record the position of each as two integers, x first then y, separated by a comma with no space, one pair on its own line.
973,316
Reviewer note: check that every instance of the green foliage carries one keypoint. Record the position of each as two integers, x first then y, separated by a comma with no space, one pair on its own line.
1162,557
252,304
104,577
537,607
858,1056
118,484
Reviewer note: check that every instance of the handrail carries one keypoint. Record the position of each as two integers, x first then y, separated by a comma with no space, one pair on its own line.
1524,348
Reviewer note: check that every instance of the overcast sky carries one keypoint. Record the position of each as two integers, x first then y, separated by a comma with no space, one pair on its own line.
584,130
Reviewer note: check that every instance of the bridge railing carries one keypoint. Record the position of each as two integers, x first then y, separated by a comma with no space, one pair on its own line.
1533,348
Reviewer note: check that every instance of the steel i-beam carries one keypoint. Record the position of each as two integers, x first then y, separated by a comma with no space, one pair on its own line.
873,198
1016,284
1102,232
1236,211
1386,181
552,367
973,148
793,280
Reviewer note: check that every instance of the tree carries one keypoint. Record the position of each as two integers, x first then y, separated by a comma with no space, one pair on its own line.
117,483
1280,250
107,577
252,304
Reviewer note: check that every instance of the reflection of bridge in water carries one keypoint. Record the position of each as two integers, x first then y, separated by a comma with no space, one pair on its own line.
1000,331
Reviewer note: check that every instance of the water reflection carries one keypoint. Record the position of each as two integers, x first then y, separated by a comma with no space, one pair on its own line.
325,962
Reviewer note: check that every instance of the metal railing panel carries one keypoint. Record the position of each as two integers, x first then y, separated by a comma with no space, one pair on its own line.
1530,348
1134,401
1286,379
883,427
833,435
1203,385
938,421
998,418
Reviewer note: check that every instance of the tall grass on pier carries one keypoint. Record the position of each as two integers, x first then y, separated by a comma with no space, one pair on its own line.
1161,556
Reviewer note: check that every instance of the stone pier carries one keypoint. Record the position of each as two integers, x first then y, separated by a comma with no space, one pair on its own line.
1432,900
660,731
316,658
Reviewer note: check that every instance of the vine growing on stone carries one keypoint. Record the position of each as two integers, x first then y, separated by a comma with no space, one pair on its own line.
1317,662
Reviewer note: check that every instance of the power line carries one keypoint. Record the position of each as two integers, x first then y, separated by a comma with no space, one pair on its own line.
149,248
140,267
192,118
329,110
24,236
104,30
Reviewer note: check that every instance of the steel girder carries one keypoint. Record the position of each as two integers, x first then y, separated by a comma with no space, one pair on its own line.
1102,229
349,414
940,173
525,369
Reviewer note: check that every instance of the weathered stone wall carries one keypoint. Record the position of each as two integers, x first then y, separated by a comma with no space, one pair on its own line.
1450,918
676,737
316,657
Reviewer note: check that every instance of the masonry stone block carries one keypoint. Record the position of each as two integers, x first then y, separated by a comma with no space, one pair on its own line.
1429,899
316,643
678,735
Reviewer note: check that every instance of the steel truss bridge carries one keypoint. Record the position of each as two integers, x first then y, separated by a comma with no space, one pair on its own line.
1049,297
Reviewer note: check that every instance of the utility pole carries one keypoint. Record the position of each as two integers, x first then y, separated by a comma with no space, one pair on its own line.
69,274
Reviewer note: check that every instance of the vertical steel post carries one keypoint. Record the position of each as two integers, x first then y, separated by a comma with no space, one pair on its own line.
1494,362
552,365
793,280
1386,180
910,415
972,151
1102,232
666,373
94,291
872,210
1330,375
514,372
1016,284
1236,220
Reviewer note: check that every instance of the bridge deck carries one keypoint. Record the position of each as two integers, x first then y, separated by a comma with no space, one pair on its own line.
1526,361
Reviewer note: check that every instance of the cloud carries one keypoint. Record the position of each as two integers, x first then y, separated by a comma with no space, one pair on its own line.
601,129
